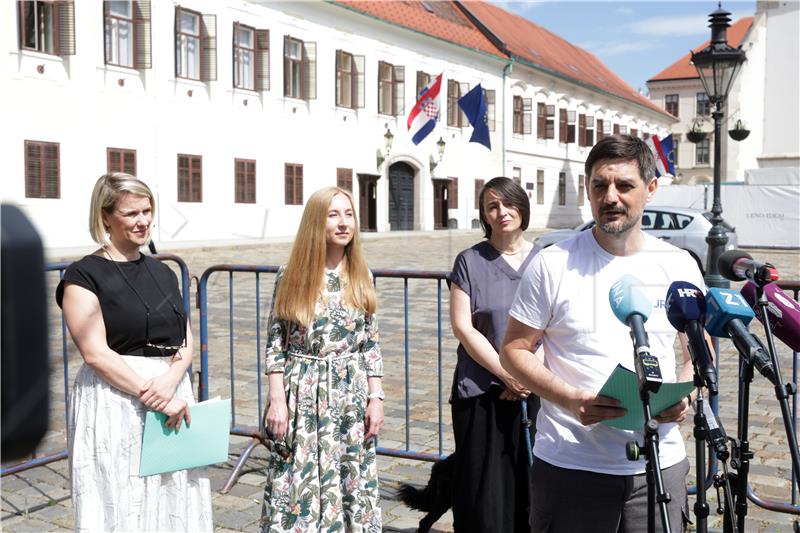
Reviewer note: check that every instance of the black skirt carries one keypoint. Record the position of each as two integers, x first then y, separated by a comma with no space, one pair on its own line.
491,489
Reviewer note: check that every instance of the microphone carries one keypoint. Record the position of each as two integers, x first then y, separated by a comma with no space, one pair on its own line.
737,265
632,307
686,311
728,316
784,313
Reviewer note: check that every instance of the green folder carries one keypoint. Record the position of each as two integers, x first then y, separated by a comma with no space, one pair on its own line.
622,385
202,443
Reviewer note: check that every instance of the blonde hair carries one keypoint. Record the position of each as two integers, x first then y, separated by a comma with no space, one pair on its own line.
304,275
107,192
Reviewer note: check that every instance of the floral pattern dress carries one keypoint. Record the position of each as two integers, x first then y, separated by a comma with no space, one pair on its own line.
330,481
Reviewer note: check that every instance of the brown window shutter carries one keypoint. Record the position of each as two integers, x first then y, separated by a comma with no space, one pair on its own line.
399,91
298,184
208,48
129,162
113,160
286,63
197,178
562,125
359,81
527,107
462,118
52,171
599,128
21,40
452,196
310,71
478,187
422,80
262,60
615,129
33,169
142,41
582,130
288,184
490,107
541,122
65,34
251,182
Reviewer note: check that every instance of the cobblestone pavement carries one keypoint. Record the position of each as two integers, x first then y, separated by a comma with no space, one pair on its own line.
39,499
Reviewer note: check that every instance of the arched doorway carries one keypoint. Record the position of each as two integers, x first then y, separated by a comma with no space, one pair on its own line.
401,197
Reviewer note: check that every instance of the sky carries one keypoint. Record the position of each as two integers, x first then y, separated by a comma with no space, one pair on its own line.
636,40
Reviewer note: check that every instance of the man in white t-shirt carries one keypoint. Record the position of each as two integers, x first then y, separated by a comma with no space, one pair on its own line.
582,480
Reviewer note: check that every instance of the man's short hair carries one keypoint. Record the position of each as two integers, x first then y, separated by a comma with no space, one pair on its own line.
625,148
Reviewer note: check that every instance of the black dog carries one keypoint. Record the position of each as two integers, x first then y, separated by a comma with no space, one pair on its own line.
437,497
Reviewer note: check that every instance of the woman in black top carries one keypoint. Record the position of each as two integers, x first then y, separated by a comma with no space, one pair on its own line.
124,313
491,479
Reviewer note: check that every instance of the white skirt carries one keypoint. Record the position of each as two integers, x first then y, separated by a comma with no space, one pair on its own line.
105,444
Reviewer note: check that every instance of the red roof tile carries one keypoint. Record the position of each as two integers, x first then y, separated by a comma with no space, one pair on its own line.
534,44
435,18
683,69
519,36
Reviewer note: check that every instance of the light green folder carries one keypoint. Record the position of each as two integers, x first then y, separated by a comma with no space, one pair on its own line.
622,385
204,442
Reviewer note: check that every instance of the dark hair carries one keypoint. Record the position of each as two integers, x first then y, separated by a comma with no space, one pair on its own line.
626,148
511,194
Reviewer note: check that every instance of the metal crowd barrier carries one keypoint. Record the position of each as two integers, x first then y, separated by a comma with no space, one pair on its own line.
257,433
63,454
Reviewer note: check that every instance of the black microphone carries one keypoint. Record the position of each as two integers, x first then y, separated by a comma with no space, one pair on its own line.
728,316
686,311
737,265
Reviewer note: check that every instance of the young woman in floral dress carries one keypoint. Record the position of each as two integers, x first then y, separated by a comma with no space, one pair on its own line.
324,365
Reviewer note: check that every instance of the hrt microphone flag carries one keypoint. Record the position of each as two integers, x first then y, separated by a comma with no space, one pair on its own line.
425,112
664,165
473,104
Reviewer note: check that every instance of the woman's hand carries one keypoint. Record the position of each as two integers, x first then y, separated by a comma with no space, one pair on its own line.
514,389
177,410
157,392
277,418
373,418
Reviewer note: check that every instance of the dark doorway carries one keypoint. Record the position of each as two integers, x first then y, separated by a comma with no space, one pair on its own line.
401,197
368,201
440,187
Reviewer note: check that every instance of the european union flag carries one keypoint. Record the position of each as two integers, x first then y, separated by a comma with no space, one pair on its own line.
473,104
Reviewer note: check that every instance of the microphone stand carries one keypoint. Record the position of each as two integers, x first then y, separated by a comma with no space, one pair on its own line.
741,456
782,391
649,380
700,432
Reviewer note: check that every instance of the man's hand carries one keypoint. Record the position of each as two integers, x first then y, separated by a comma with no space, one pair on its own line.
590,408
514,389
677,413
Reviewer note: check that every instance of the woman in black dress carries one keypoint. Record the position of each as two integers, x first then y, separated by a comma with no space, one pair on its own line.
492,475
125,314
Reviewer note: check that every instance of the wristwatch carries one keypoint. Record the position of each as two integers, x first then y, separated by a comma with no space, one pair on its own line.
377,394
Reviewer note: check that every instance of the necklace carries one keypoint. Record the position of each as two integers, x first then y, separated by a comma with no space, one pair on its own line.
517,252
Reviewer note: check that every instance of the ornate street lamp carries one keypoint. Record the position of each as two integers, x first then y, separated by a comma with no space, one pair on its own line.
717,65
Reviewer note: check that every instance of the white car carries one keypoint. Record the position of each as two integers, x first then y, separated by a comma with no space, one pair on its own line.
685,228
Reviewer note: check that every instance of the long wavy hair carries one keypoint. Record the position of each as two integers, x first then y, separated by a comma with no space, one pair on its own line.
303,278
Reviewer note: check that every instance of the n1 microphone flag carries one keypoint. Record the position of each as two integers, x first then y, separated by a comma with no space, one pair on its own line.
425,112
473,104
663,166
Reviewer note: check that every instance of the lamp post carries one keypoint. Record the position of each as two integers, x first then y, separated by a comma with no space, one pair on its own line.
717,64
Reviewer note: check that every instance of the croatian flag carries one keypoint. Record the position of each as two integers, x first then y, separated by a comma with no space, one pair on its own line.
423,116
664,165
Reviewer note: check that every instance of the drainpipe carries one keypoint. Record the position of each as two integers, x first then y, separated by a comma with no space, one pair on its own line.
506,72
